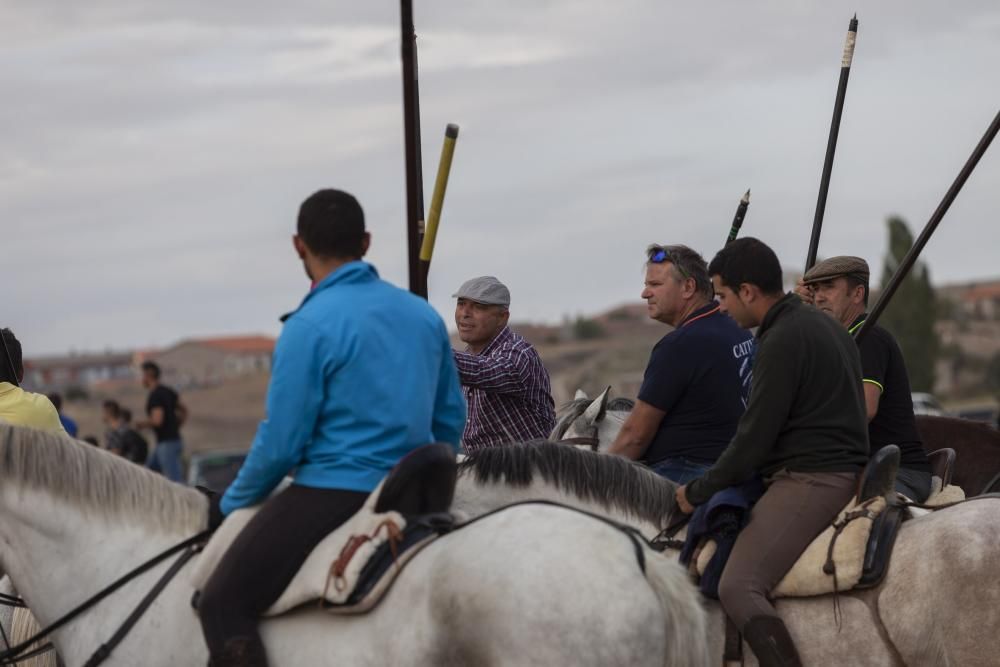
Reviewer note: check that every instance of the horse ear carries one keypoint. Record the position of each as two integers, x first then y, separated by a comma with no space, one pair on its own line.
595,412
580,394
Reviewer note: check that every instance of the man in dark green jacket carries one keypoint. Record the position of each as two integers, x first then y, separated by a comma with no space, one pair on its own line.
804,431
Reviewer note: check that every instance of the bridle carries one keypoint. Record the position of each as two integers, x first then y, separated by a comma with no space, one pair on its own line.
187,549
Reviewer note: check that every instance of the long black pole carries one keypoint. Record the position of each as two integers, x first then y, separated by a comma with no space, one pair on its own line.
831,142
741,212
911,257
411,132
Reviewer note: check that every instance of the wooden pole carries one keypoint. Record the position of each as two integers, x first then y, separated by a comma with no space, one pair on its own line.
411,132
437,199
911,257
741,211
831,143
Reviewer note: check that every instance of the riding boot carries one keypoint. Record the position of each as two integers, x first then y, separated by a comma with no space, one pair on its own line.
771,643
240,652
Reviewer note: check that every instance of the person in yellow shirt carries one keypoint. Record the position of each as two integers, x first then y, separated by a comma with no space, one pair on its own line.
19,407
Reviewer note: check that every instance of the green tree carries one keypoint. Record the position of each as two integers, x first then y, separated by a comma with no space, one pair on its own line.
912,312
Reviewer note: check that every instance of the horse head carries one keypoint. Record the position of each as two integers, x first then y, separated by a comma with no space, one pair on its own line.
593,424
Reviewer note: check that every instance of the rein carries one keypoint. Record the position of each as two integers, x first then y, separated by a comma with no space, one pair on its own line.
189,547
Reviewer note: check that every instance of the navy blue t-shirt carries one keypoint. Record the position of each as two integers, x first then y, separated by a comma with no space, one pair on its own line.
699,375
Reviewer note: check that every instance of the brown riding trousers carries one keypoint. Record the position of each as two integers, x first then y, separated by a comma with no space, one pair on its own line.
796,507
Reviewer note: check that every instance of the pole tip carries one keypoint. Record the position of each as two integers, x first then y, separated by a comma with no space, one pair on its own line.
854,23
746,196
451,131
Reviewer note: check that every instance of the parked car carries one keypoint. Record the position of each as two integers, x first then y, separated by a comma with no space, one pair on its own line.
215,470
926,404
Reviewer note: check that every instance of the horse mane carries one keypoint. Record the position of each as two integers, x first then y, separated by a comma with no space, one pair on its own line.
97,480
611,481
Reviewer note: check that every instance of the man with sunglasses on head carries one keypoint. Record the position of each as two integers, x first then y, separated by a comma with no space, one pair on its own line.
839,287
803,431
505,384
697,381
17,406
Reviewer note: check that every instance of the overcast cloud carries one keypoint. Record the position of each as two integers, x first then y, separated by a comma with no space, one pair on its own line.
154,154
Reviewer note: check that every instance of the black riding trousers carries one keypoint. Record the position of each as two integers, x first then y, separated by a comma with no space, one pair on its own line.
265,556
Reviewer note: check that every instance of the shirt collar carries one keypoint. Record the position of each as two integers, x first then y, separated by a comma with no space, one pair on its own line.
505,335
6,387
789,302
705,310
857,323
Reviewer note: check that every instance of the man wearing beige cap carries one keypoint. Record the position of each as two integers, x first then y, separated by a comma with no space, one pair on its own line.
839,287
505,384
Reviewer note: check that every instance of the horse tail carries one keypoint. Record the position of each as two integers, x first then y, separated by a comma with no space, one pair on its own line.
22,627
683,612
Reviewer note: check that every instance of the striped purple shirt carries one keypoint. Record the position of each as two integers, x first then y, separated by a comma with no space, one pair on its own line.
508,393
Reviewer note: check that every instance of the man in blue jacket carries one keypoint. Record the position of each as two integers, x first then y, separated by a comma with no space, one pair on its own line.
362,374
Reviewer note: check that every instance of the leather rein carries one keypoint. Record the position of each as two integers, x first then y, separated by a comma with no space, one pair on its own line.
187,548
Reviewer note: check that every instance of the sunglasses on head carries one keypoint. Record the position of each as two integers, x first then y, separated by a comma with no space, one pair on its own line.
659,254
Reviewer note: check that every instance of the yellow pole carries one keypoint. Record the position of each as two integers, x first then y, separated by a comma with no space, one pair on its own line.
437,200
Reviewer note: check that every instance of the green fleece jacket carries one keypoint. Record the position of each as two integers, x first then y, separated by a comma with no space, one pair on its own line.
807,408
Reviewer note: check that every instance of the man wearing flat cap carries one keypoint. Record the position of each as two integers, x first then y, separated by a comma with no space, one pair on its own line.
839,287
505,384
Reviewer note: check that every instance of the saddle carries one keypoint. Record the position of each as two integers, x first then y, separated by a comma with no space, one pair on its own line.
354,566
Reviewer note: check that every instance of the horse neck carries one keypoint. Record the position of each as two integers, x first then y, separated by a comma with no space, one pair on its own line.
56,552
474,499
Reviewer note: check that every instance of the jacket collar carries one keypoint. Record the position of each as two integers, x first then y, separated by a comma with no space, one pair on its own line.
354,272
786,304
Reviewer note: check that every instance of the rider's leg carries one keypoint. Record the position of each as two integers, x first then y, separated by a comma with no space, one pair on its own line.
795,508
679,470
261,562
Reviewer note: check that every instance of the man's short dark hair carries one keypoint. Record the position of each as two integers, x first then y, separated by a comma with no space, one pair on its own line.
853,281
113,409
56,400
152,368
748,260
8,374
332,224
126,415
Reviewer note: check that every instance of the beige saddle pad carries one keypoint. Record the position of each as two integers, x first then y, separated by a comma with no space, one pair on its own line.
807,577
331,571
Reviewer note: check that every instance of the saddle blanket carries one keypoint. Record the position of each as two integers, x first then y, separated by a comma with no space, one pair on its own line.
336,567
808,577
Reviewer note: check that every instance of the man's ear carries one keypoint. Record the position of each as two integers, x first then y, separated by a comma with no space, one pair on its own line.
747,293
366,241
299,245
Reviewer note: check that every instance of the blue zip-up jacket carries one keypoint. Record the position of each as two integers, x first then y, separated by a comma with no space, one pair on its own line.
362,374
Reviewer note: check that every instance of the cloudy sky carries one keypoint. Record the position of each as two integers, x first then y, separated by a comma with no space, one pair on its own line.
154,154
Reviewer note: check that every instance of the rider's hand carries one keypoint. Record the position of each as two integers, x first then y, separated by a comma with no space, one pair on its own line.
682,501
804,292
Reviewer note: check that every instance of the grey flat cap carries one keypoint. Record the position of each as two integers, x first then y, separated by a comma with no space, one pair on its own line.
484,289
844,265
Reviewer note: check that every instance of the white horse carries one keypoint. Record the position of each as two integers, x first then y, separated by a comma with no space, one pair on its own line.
592,424
938,605
532,585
